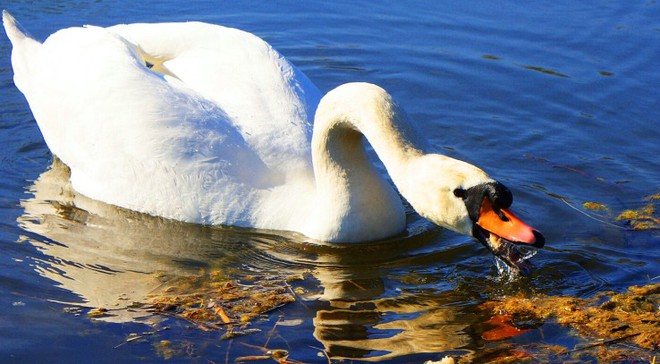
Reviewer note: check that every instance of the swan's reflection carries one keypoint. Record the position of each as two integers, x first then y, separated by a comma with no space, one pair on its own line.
361,323
111,258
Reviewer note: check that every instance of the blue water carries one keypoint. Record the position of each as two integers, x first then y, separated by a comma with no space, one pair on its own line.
558,100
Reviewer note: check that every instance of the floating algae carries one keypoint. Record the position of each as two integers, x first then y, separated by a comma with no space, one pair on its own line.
653,197
609,318
209,301
212,301
642,218
170,350
595,206
98,312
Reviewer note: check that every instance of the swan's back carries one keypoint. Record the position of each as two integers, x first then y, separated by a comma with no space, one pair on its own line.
205,136
271,101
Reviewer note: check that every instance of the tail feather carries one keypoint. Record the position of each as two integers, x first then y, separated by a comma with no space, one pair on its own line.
25,50
13,28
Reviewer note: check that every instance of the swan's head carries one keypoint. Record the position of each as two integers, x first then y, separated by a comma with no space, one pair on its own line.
463,198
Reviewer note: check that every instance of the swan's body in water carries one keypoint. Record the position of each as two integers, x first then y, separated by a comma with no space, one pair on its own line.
207,124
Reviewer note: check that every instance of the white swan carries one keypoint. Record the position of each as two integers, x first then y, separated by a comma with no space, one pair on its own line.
207,124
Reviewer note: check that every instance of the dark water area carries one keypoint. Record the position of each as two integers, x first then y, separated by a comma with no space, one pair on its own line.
558,101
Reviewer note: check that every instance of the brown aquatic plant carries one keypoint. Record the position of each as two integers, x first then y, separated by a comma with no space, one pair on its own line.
642,218
98,313
610,318
212,301
170,350
595,206
653,197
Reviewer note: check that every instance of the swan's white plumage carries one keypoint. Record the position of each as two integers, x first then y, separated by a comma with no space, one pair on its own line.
219,131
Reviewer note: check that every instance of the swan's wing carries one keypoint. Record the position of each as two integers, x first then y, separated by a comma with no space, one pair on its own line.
270,102
133,139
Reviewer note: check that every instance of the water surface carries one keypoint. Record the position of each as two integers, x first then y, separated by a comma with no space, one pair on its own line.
559,102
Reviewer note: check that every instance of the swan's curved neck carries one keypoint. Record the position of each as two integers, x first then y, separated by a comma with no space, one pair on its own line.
354,202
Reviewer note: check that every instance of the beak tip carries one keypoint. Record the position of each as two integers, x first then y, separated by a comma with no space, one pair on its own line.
539,240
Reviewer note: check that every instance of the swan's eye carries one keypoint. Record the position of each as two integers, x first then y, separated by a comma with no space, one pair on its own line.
460,193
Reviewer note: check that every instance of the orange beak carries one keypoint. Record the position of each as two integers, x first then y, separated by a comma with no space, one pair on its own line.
505,224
